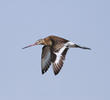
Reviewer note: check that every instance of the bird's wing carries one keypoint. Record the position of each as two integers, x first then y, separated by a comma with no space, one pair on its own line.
57,43
45,59
58,58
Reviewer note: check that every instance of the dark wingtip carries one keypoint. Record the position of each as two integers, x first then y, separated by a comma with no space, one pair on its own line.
42,73
56,73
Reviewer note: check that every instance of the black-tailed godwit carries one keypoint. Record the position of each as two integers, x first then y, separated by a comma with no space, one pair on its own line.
54,52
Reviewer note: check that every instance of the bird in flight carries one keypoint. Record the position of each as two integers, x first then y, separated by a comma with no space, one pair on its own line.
54,52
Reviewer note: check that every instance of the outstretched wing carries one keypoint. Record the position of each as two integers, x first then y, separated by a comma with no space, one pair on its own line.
58,43
58,59
45,59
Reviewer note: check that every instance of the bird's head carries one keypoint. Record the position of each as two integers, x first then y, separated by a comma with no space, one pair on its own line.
38,42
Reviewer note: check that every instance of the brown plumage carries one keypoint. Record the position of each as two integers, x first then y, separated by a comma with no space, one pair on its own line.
54,52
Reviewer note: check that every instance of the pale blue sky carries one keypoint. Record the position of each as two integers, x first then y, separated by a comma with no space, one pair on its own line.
85,74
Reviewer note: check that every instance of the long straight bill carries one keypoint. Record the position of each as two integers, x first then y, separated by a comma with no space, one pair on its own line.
29,46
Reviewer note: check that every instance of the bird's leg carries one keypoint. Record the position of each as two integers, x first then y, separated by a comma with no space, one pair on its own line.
73,45
77,46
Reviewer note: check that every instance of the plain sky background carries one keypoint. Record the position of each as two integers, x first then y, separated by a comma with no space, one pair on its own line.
85,74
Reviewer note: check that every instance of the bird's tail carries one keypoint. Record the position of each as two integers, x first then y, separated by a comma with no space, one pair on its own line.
77,46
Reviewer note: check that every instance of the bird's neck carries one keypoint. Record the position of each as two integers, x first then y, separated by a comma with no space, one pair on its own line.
47,42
